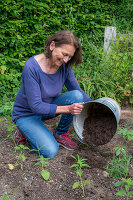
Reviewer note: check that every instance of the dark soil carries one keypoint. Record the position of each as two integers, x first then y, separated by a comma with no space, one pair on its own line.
100,125
26,182
99,130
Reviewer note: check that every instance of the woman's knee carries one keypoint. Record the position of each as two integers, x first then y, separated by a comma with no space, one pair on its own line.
78,96
50,152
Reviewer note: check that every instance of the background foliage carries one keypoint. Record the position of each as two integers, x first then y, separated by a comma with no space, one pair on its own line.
24,26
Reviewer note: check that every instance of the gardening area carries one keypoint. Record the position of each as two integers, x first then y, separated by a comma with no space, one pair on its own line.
102,167
106,170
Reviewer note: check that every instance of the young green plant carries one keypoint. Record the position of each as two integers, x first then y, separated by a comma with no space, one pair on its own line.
19,148
8,195
43,161
125,184
5,197
128,134
119,164
79,164
10,126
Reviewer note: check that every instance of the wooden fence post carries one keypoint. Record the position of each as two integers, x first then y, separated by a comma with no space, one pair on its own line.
109,35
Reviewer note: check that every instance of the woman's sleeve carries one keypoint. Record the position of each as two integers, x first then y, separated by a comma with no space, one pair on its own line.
33,93
72,84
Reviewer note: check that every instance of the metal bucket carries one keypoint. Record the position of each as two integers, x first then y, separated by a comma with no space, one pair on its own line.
108,104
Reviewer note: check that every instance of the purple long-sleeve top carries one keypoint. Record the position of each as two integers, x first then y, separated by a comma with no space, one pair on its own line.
38,90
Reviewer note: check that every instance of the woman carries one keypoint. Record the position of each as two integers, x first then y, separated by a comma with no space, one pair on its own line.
39,97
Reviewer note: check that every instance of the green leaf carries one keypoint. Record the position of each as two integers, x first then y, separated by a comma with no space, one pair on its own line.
73,157
26,148
21,146
79,172
118,152
45,174
121,193
83,159
118,183
75,185
36,164
86,182
85,165
127,187
74,165
130,193
17,148
23,157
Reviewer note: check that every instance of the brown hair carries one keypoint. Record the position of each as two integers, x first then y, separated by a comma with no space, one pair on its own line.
61,38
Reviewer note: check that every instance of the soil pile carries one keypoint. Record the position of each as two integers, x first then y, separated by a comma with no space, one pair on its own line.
100,126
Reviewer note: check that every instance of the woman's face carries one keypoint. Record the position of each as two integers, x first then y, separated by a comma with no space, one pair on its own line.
61,54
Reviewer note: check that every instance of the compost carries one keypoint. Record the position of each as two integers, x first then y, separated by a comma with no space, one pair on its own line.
100,127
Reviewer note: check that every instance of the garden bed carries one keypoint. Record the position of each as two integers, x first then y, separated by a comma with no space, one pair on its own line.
27,183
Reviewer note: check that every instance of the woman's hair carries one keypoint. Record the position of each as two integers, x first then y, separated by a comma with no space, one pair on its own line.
61,38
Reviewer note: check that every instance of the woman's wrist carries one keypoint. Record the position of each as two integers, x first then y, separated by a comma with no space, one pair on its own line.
63,109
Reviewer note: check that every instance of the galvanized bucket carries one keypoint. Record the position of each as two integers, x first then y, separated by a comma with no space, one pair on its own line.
110,105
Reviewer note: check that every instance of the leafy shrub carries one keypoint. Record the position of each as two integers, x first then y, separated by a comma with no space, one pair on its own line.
26,24
119,63
110,74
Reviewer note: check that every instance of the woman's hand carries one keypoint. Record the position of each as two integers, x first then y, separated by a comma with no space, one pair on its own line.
76,108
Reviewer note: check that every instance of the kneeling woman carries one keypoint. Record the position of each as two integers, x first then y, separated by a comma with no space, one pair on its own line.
39,97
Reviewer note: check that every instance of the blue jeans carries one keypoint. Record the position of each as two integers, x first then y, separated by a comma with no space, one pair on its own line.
38,134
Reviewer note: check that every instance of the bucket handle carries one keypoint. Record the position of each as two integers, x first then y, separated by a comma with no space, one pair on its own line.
113,107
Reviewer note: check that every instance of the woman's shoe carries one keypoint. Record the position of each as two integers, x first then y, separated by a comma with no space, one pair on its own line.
65,141
19,138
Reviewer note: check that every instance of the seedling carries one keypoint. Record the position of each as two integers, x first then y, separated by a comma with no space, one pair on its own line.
8,196
5,196
123,162
43,161
128,134
125,184
10,126
44,173
119,150
21,148
118,165
79,164
130,125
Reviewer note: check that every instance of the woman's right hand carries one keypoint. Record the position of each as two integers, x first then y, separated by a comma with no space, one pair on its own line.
76,108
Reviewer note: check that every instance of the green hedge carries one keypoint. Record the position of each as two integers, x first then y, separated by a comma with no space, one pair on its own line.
24,26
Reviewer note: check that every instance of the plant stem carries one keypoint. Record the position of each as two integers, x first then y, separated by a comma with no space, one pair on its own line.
17,160
82,186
